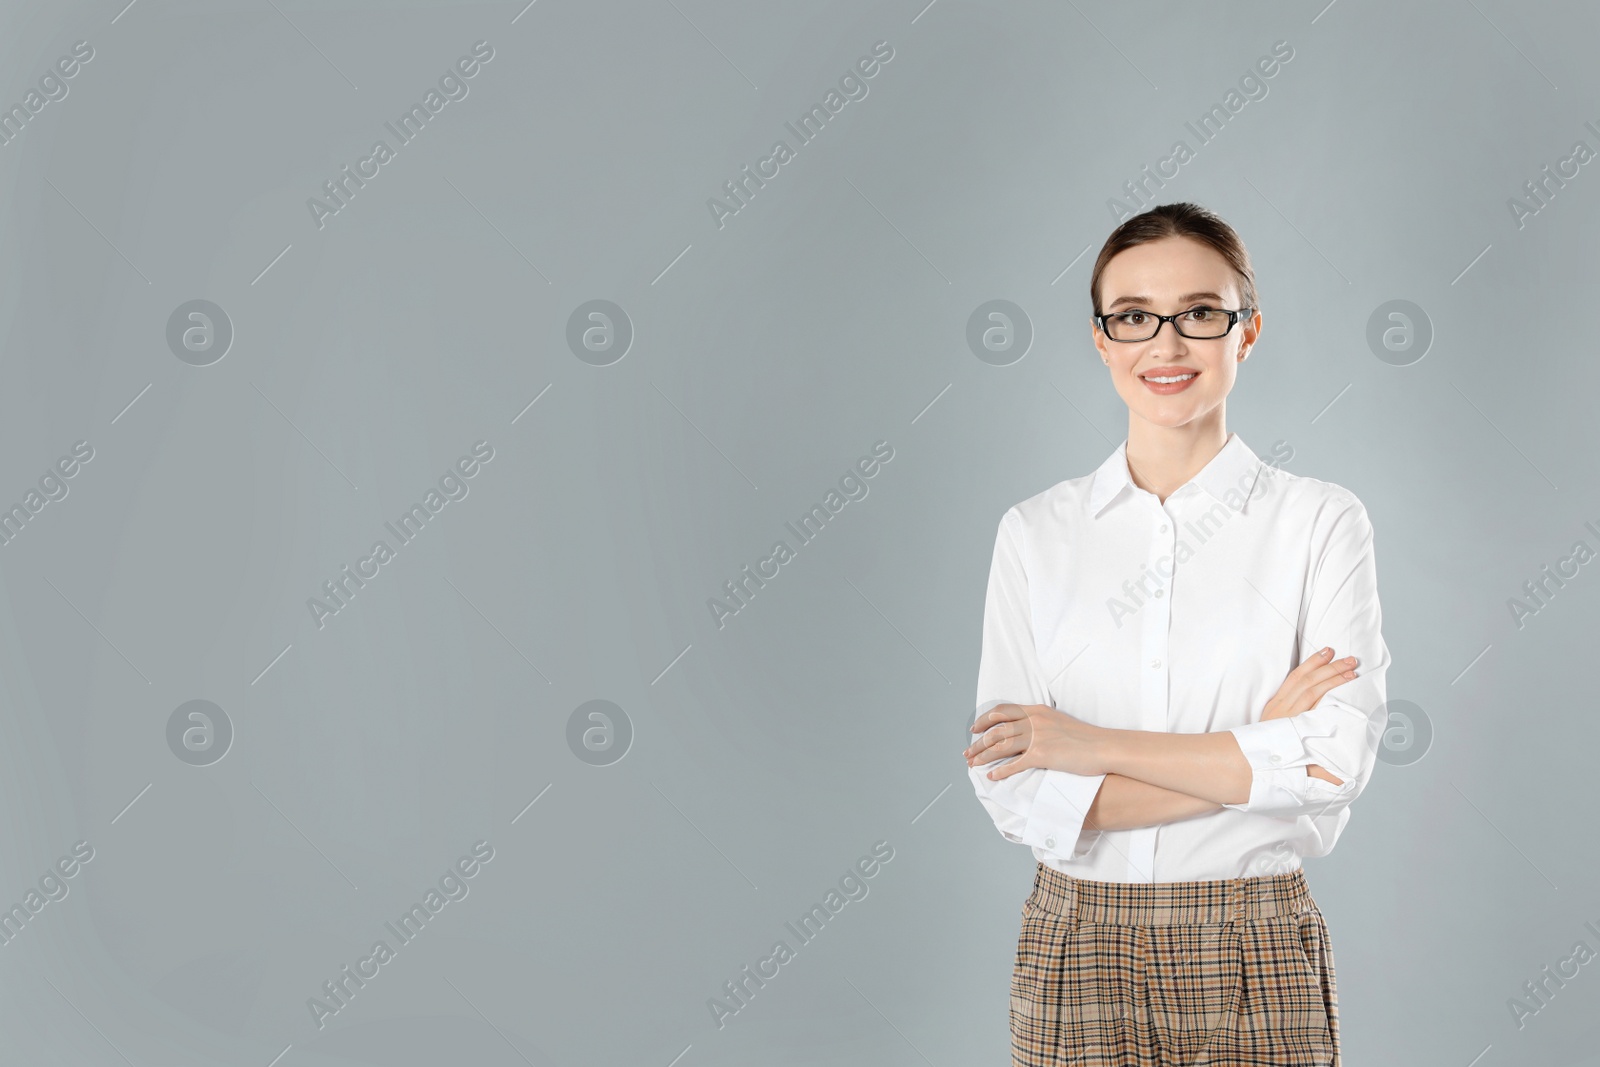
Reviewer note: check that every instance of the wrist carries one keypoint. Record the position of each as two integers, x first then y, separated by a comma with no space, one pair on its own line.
1107,749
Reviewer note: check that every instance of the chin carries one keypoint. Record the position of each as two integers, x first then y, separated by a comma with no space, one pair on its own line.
1168,415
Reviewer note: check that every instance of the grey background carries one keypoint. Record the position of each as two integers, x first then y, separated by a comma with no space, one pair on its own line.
768,755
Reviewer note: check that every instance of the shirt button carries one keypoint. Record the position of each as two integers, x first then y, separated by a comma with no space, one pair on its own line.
1161,592
1275,758
1156,664
1163,527
1049,842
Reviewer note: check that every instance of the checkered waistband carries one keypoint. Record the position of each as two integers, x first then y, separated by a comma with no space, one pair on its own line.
1167,903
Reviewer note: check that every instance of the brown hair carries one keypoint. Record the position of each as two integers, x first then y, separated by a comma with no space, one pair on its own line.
1178,220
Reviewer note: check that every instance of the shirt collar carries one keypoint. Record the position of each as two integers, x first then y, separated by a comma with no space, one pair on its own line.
1233,470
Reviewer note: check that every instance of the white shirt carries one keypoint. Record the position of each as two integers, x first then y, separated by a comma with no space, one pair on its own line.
1185,616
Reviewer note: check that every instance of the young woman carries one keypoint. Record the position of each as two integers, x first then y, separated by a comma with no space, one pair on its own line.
1135,725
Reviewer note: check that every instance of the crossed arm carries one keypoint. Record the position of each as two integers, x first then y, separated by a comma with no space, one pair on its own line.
1289,762
1154,778
1150,777
1125,803
1211,770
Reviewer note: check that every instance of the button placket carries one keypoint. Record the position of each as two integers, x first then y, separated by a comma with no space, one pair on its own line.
1154,688
1163,546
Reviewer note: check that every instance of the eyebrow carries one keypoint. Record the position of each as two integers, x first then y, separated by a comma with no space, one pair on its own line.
1184,299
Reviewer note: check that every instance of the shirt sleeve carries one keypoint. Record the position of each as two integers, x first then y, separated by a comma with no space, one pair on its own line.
1038,807
1343,731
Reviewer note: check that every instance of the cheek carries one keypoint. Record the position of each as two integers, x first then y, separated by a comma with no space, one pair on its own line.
1222,376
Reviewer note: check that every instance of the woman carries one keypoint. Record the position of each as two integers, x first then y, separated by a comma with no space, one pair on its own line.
1135,724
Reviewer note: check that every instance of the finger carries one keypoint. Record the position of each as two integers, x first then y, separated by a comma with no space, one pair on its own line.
1316,770
1300,678
1311,685
1312,696
1009,746
1019,764
979,743
1322,666
1333,682
992,736
1313,661
998,714
1325,678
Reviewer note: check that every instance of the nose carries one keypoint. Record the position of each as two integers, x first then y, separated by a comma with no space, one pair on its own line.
1166,337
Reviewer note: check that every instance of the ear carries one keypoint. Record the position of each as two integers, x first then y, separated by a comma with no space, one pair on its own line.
1099,342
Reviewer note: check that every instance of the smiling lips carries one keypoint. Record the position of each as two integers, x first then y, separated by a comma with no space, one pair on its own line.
1168,380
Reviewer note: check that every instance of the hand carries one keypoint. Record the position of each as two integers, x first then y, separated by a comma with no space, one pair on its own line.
1303,688
1039,736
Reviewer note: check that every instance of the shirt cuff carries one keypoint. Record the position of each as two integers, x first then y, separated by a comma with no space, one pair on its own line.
1272,746
1055,821
1291,793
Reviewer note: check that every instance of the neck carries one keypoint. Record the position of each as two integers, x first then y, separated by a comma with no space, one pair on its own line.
1163,458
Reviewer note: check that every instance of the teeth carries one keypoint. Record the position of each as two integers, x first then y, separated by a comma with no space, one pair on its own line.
1166,381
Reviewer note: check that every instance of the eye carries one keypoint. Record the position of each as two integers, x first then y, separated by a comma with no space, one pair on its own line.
1132,318
1201,314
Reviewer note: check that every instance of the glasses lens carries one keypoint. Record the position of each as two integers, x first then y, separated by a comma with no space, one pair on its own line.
1203,322
1200,322
1131,326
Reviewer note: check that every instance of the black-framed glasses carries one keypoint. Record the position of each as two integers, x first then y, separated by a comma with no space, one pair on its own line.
1198,323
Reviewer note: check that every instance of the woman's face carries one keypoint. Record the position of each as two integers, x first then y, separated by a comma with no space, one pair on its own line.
1165,277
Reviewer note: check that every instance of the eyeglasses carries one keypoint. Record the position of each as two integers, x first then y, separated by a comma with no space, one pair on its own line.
1197,324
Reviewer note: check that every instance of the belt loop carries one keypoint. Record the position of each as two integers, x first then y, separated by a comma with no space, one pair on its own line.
1237,899
1302,892
1071,907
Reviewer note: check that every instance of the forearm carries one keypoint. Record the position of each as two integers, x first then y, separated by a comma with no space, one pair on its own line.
1207,767
1125,803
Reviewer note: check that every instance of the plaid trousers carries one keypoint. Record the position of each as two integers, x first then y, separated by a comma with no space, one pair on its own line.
1234,972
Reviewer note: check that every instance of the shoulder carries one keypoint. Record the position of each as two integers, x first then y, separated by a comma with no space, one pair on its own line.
1324,504
1050,507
